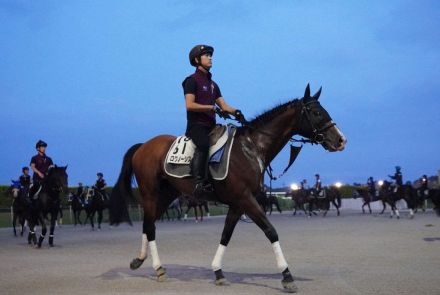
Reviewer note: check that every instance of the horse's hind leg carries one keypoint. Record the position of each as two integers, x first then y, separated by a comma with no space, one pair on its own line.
14,223
257,216
369,208
99,218
230,222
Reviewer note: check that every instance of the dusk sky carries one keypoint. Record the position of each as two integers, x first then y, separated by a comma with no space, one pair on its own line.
92,78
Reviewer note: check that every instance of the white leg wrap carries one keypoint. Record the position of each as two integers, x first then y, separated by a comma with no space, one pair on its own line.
144,247
218,258
281,261
154,255
397,212
411,212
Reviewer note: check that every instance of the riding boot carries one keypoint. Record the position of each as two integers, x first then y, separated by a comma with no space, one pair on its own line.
200,172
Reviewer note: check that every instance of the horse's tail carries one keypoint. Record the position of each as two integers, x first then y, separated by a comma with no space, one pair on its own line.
122,191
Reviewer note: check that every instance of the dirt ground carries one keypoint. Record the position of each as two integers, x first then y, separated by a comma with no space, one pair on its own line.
350,254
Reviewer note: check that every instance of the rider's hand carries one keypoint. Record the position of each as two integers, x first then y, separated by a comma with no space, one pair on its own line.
221,113
239,116
40,174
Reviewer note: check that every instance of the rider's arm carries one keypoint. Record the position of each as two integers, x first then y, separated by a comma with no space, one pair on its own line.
36,170
192,106
224,106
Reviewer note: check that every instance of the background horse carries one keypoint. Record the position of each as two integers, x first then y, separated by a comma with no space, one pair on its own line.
193,203
48,202
97,203
367,198
404,192
267,203
20,207
176,209
300,199
77,205
255,146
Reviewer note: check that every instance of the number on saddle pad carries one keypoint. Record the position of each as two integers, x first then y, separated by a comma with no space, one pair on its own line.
182,151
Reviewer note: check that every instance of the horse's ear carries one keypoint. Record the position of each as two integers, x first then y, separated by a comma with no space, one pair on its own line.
317,94
307,92
65,168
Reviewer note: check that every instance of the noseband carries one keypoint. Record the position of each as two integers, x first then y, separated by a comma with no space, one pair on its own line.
318,136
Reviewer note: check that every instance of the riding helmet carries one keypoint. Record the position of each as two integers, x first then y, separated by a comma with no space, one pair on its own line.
198,51
40,143
100,174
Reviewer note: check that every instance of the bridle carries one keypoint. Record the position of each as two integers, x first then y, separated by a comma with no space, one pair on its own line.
317,136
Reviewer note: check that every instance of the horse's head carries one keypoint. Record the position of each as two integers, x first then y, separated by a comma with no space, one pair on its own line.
317,125
57,178
15,188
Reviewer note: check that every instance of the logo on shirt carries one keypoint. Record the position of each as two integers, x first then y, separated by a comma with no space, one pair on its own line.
205,88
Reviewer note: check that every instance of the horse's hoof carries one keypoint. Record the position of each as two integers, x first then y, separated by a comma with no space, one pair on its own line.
161,274
411,216
136,263
398,217
221,282
289,286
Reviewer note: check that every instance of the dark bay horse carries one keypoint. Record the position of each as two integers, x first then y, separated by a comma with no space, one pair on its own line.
256,144
48,202
391,195
77,205
367,198
267,203
301,198
193,203
97,204
20,206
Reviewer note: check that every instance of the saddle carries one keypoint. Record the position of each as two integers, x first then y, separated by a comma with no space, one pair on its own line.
179,156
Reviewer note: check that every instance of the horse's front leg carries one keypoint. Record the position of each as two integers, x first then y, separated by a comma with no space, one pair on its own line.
231,221
43,231
99,219
53,219
14,223
257,216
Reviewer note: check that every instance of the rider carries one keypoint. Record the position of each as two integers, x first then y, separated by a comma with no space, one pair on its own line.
318,185
202,95
40,164
304,184
80,192
397,177
25,181
100,185
371,187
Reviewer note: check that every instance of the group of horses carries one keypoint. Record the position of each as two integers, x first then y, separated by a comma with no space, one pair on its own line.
46,207
176,211
41,209
390,194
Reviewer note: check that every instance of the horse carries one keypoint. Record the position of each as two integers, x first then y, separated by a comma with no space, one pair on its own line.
77,205
97,203
193,203
48,202
434,195
322,201
300,198
20,207
367,198
267,202
333,196
176,208
404,192
255,145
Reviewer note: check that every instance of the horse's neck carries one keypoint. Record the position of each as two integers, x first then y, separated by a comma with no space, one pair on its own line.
273,135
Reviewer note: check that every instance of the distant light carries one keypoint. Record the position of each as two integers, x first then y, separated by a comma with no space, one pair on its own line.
294,187
338,184
380,182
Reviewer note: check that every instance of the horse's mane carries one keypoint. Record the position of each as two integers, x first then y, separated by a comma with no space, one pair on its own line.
271,113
